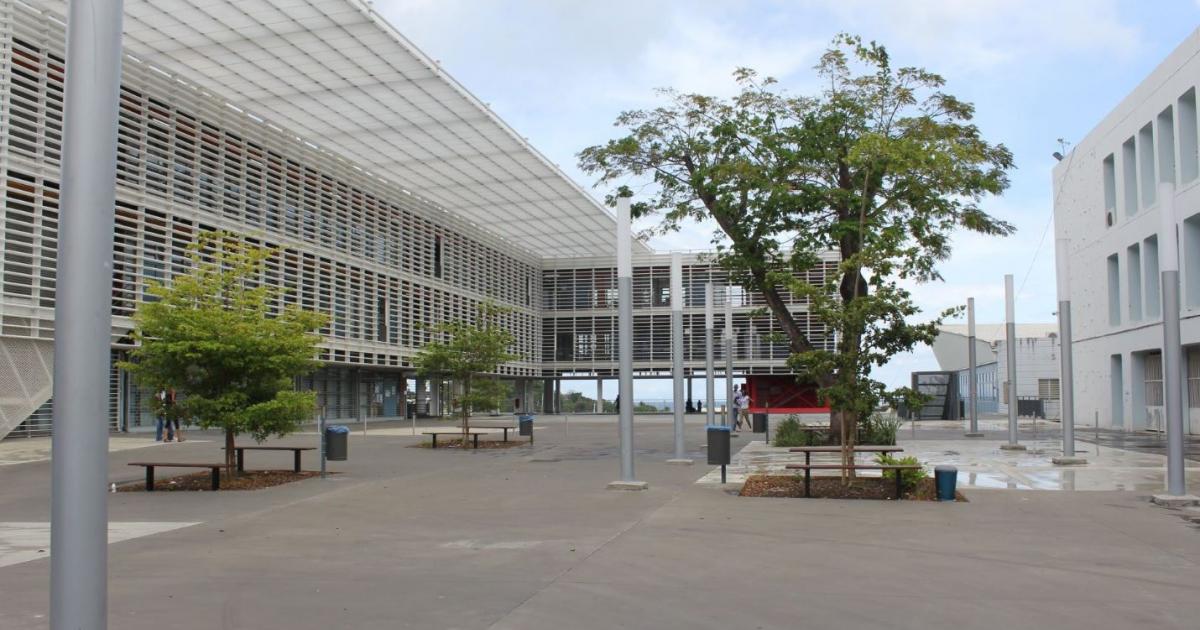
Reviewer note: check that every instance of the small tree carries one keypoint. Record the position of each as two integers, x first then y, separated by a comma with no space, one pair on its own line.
468,352
219,336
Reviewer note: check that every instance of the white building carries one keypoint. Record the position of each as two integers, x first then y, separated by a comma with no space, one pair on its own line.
1037,364
1106,203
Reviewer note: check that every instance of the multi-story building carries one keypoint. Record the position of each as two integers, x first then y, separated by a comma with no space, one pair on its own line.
397,200
1037,351
1107,205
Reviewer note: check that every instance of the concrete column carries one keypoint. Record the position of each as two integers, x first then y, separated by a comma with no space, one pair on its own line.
1066,368
422,395
730,419
435,397
558,395
677,356
599,395
1011,343
972,375
625,346
709,385
1172,353
83,315
547,395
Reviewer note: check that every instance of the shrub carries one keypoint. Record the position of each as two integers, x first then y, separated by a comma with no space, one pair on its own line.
879,430
909,478
790,433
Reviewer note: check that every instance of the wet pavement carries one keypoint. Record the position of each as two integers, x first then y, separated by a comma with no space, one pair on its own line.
982,464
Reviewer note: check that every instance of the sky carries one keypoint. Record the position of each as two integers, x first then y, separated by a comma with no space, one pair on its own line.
559,72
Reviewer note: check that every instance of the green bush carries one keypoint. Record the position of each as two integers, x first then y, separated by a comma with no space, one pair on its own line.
879,430
910,478
789,433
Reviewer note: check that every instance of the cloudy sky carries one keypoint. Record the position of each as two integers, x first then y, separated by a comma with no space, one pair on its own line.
559,71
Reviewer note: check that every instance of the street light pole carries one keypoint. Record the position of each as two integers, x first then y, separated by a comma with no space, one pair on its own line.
709,392
83,318
730,412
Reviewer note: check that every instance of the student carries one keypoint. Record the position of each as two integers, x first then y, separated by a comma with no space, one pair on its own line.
743,407
174,433
160,420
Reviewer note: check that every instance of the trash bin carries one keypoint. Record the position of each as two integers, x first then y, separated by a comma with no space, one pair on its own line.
945,477
718,444
525,424
336,442
760,423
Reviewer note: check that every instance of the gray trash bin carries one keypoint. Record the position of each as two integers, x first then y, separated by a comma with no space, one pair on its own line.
525,424
337,443
718,444
760,423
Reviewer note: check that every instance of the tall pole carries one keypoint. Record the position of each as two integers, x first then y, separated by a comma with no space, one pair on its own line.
83,316
677,355
1010,336
1066,366
709,392
1172,369
625,344
972,378
730,412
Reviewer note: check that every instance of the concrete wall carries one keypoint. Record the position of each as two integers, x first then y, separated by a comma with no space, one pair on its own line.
1111,177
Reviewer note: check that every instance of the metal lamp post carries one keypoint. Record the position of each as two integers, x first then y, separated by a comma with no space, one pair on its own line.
1010,335
972,378
83,316
677,356
625,345
1066,370
1172,368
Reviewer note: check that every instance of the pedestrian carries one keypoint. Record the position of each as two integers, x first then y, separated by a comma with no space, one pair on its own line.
174,432
161,420
743,407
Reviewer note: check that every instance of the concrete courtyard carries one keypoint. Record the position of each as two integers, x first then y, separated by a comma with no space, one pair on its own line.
530,538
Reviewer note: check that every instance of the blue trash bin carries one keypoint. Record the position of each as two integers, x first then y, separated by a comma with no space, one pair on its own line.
945,478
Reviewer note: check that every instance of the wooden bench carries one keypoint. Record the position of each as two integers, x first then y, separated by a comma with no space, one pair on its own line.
150,466
864,448
474,436
808,468
296,450
505,427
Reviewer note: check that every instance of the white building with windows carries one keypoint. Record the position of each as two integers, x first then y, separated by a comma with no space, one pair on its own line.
397,200
1037,364
1106,204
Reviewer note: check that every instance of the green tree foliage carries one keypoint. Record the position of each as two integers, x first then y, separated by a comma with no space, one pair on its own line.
219,336
881,168
467,353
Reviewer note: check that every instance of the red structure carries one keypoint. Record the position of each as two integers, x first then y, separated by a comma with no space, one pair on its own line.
782,394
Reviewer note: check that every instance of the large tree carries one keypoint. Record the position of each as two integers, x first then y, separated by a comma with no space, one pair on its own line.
469,353
881,167
220,336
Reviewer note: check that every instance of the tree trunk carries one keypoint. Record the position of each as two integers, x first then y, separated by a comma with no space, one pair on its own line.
230,454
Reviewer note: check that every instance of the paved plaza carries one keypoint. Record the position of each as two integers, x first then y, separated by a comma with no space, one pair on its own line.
530,538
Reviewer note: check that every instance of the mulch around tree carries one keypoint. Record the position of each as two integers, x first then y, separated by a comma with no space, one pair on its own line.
202,481
823,487
456,444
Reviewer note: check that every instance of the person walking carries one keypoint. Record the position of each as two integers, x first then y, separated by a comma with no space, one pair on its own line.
743,408
160,419
174,432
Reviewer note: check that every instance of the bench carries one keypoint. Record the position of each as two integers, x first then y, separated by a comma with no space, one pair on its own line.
150,466
865,448
505,427
474,436
241,454
808,468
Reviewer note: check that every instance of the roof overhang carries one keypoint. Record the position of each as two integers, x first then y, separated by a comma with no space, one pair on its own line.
337,75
